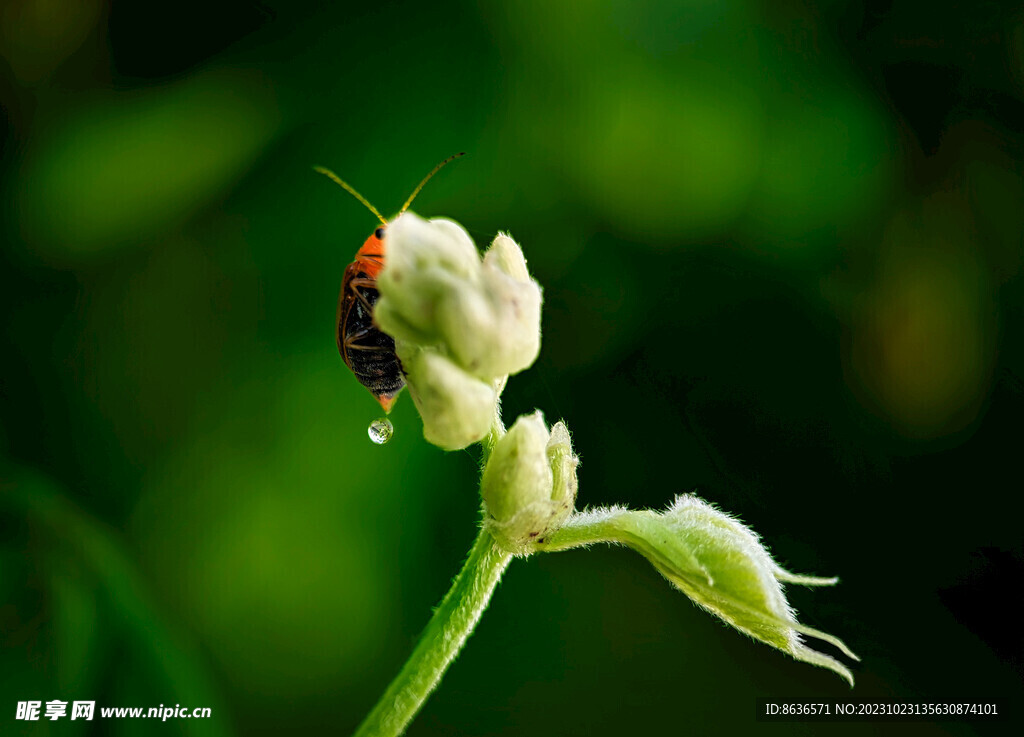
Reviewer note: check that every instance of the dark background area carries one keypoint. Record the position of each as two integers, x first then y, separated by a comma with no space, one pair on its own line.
781,251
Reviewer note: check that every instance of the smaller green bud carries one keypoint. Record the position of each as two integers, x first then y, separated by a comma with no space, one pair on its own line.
529,483
457,408
563,464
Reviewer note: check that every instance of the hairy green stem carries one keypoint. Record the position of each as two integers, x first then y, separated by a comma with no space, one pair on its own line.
452,623
447,631
494,434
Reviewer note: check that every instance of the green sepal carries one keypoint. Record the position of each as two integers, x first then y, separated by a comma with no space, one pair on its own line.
716,561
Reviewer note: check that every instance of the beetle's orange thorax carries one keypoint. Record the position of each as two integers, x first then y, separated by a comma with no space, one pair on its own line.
370,258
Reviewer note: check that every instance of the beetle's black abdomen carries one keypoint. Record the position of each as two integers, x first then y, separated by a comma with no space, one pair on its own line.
367,351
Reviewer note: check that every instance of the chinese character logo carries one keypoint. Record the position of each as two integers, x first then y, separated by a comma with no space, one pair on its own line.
56,709
83,710
28,710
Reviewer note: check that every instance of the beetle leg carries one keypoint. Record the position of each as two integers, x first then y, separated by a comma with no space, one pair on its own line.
357,336
359,282
369,348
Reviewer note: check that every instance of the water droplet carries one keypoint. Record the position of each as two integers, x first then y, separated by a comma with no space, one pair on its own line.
381,430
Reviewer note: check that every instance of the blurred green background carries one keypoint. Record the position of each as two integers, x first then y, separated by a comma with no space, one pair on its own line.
781,248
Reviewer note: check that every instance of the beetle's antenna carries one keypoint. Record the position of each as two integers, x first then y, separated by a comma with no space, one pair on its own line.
427,179
348,188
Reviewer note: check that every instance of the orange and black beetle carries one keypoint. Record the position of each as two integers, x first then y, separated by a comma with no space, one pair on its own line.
364,348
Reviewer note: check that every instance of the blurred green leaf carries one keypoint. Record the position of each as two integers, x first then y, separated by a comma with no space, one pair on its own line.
92,581
124,166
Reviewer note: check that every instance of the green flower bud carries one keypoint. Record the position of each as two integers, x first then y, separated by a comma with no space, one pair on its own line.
461,324
716,561
529,483
457,408
494,328
436,290
426,262
506,255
